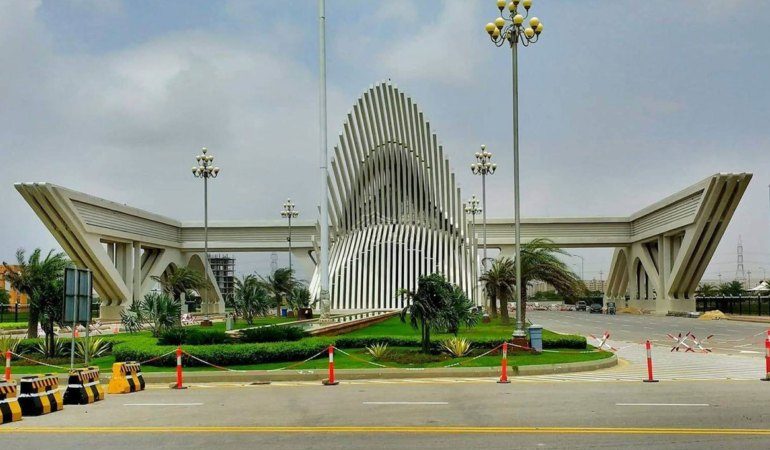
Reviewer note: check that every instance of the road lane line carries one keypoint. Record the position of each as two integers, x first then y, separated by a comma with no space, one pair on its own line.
404,403
162,404
662,404
387,429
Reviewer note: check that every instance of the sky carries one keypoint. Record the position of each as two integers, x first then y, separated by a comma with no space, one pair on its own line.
622,103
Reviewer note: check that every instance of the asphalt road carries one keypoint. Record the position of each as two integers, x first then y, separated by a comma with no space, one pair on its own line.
413,415
729,337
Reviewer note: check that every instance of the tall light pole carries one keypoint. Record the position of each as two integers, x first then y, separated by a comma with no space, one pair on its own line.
582,267
509,27
472,208
205,169
483,167
324,272
289,212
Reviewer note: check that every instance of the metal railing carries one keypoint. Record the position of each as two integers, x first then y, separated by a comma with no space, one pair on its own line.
742,306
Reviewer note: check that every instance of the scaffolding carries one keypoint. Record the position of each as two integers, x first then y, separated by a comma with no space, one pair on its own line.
223,267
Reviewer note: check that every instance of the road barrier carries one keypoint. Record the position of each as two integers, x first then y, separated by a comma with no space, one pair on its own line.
331,381
767,357
7,365
603,341
10,411
83,387
649,379
126,377
39,394
680,341
504,365
179,374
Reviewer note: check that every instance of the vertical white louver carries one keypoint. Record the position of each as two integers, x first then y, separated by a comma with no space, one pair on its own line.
397,207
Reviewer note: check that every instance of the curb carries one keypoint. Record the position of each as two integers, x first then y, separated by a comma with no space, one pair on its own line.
753,319
263,376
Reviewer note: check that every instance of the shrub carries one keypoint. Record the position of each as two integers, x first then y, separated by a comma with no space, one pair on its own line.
58,347
274,333
9,343
378,351
192,336
457,347
415,357
222,354
96,348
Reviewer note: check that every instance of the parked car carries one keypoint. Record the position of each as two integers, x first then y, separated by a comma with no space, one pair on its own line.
580,306
595,308
611,308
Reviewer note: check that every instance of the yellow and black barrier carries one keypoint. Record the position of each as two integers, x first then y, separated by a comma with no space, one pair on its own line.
83,387
39,394
126,377
10,411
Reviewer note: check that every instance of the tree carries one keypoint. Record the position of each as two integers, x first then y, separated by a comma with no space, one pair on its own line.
181,280
251,298
540,262
732,289
5,297
458,311
42,280
300,297
280,283
706,290
436,305
161,311
499,283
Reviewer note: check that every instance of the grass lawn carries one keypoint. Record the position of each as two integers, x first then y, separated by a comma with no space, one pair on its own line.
394,327
342,361
13,325
240,323
405,357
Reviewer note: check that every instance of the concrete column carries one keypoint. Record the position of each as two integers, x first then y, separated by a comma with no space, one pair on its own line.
124,265
137,272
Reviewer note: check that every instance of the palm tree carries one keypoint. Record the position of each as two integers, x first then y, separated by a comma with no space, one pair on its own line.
499,283
180,280
42,280
707,290
540,262
281,284
732,289
425,305
251,298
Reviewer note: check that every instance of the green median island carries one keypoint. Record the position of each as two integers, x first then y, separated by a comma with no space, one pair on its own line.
275,344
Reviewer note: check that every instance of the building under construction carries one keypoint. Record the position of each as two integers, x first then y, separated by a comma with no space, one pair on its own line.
223,267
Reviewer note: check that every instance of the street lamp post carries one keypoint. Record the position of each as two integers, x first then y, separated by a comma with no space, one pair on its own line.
582,267
472,208
510,28
289,212
483,167
205,169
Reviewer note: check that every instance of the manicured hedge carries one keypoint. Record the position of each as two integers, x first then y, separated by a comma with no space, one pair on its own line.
193,336
274,333
222,354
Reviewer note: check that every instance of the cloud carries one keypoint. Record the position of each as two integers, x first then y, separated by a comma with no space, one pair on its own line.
439,51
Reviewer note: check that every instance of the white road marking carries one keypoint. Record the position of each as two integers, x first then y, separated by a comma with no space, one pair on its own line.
405,403
750,351
662,404
162,404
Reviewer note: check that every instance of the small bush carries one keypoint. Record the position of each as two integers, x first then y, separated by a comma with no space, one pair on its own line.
222,354
273,334
457,347
192,336
96,348
416,357
378,351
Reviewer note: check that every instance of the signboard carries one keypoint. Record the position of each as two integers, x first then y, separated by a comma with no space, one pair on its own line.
77,294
